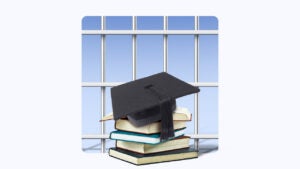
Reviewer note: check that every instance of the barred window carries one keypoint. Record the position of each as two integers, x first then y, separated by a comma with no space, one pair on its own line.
118,49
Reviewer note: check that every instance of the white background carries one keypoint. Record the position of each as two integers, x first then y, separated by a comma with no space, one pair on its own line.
40,66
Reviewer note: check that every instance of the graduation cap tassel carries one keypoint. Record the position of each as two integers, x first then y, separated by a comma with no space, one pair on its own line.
167,130
165,106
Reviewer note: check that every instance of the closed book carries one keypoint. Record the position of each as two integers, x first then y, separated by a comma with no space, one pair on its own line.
141,138
178,143
126,125
139,159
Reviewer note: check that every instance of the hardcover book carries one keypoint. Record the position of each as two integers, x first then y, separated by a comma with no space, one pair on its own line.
178,143
155,127
142,138
139,159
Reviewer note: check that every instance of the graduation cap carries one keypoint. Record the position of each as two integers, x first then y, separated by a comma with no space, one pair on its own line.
150,99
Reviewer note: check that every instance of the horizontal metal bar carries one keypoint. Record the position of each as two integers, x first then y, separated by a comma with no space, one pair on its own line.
149,32
203,136
95,136
100,84
112,84
193,136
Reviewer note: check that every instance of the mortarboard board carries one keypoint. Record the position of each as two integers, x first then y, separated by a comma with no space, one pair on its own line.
150,99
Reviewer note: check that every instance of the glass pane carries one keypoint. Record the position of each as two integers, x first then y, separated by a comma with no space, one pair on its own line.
149,55
181,23
208,58
109,125
91,110
91,23
118,58
118,23
181,56
150,22
208,23
208,110
149,47
91,54
181,65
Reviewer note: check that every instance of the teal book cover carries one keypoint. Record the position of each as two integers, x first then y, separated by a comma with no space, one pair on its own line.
141,138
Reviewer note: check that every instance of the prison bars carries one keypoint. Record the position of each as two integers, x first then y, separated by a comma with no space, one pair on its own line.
196,96
165,32
103,80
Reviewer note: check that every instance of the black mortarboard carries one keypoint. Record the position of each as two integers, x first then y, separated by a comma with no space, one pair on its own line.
150,99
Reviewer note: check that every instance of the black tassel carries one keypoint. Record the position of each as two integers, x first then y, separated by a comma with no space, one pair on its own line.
167,129
166,107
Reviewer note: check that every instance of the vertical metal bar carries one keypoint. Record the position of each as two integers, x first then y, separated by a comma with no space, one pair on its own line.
196,67
134,49
165,44
103,80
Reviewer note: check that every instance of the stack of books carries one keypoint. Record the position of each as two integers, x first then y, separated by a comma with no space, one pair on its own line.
142,145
